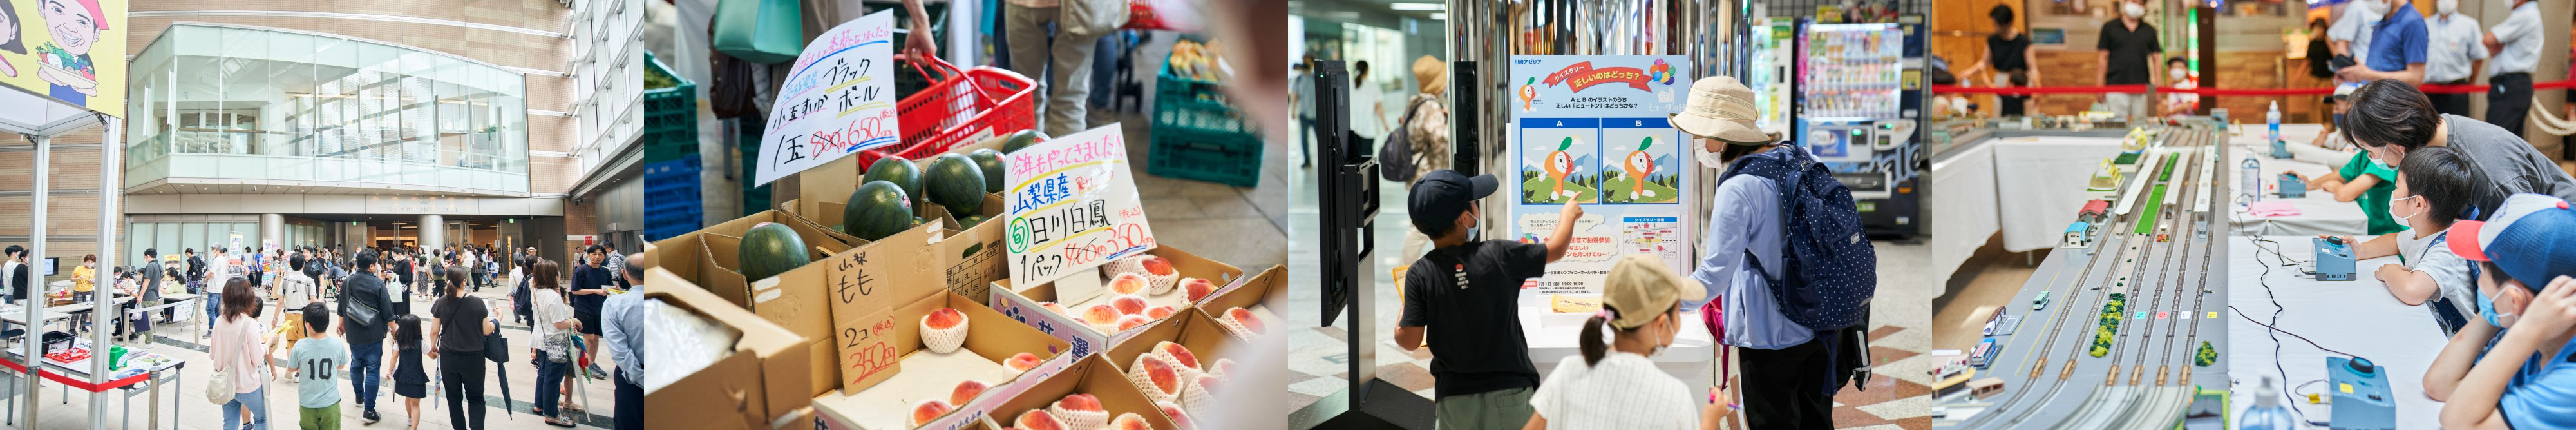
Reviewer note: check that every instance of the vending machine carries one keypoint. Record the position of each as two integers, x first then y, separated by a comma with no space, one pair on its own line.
1859,94
1772,58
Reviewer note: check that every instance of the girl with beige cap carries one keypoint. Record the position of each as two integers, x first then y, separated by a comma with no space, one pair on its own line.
1613,385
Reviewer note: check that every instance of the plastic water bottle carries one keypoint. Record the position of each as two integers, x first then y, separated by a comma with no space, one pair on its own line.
2250,182
2267,413
2273,118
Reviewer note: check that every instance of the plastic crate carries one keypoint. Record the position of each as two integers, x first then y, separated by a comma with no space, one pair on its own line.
672,191
1195,106
1213,157
982,101
670,115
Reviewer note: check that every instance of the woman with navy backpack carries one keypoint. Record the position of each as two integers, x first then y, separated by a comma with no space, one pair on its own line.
1788,345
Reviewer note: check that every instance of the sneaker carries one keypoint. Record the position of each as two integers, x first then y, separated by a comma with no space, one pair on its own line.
371,417
596,372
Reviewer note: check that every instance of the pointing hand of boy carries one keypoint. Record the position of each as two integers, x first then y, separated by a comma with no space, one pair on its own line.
1570,212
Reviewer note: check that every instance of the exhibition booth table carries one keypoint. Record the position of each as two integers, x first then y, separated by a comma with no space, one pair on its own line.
2043,172
2356,317
144,374
2318,212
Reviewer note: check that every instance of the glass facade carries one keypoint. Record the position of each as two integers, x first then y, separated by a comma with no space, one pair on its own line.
231,102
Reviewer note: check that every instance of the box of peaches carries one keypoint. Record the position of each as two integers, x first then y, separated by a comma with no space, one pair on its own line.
1091,395
939,361
1140,290
1181,364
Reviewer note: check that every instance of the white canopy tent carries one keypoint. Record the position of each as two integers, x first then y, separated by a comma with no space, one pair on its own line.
39,119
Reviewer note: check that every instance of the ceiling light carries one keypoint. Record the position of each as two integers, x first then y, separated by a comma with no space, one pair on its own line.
1439,16
1418,6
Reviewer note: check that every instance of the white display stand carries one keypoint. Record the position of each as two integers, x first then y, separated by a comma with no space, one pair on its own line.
1691,358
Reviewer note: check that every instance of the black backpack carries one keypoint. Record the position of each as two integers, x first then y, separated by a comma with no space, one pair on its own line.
1395,156
1832,270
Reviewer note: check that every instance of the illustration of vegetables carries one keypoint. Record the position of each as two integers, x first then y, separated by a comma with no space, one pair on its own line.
1560,165
1639,165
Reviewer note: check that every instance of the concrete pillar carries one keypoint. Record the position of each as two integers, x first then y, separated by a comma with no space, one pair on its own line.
433,231
272,230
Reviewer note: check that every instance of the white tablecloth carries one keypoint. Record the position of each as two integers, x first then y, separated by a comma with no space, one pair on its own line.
2040,183
1963,196
2319,213
2357,317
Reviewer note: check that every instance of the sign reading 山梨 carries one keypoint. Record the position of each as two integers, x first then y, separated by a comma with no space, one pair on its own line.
837,100
1071,205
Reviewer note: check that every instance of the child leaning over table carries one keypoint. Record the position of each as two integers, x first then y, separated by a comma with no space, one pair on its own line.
2524,379
317,363
2435,188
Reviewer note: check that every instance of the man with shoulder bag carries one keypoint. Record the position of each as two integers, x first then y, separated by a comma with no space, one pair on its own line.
364,307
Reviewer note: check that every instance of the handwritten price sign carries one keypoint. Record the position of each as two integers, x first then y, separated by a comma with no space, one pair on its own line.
837,100
1072,205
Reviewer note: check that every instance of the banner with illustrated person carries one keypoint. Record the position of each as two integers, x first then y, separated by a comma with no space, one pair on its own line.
69,50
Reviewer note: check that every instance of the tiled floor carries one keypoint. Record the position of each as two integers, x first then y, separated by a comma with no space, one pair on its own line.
192,412
1319,361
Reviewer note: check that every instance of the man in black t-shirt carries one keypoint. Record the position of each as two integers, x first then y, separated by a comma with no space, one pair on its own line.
365,292
2129,53
1471,289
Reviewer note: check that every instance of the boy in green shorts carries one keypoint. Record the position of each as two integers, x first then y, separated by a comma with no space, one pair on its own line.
317,362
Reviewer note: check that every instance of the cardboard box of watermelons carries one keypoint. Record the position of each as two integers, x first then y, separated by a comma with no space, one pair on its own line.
1202,348
900,367
1253,296
1067,318
765,375
963,256
840,281
1092,376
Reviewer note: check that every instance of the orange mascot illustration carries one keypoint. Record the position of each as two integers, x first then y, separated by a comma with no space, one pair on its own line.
1639,165
1559,166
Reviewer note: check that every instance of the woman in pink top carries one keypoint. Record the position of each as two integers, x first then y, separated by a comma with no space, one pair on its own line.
237,344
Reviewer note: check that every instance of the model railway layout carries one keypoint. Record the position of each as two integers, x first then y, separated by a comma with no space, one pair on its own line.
2120,350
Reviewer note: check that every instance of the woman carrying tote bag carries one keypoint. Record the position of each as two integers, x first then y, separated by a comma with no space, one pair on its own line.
239,354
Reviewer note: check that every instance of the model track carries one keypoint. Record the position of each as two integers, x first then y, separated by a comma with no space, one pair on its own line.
2136,404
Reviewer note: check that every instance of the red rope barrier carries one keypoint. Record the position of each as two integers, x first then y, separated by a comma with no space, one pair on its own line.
76,382
2223,92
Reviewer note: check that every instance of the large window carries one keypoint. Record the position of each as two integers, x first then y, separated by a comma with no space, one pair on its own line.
257,103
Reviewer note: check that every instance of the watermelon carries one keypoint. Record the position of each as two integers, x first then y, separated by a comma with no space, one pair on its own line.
1022,139
956,182
971,221
770,249
991,161
878,209
901,172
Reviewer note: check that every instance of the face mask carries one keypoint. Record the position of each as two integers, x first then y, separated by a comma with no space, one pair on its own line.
2374,161
2179,73
1707,159
2338,119
2446,7
2133,10
2410,247
2487,309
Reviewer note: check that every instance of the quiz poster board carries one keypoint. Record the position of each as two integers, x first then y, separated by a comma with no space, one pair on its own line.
1071,205
837,100
1595,130
70,50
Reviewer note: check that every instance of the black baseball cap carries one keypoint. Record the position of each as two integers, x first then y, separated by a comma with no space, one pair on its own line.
1440,196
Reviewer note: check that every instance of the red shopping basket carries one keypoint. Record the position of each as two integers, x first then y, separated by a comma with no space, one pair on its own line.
962,105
